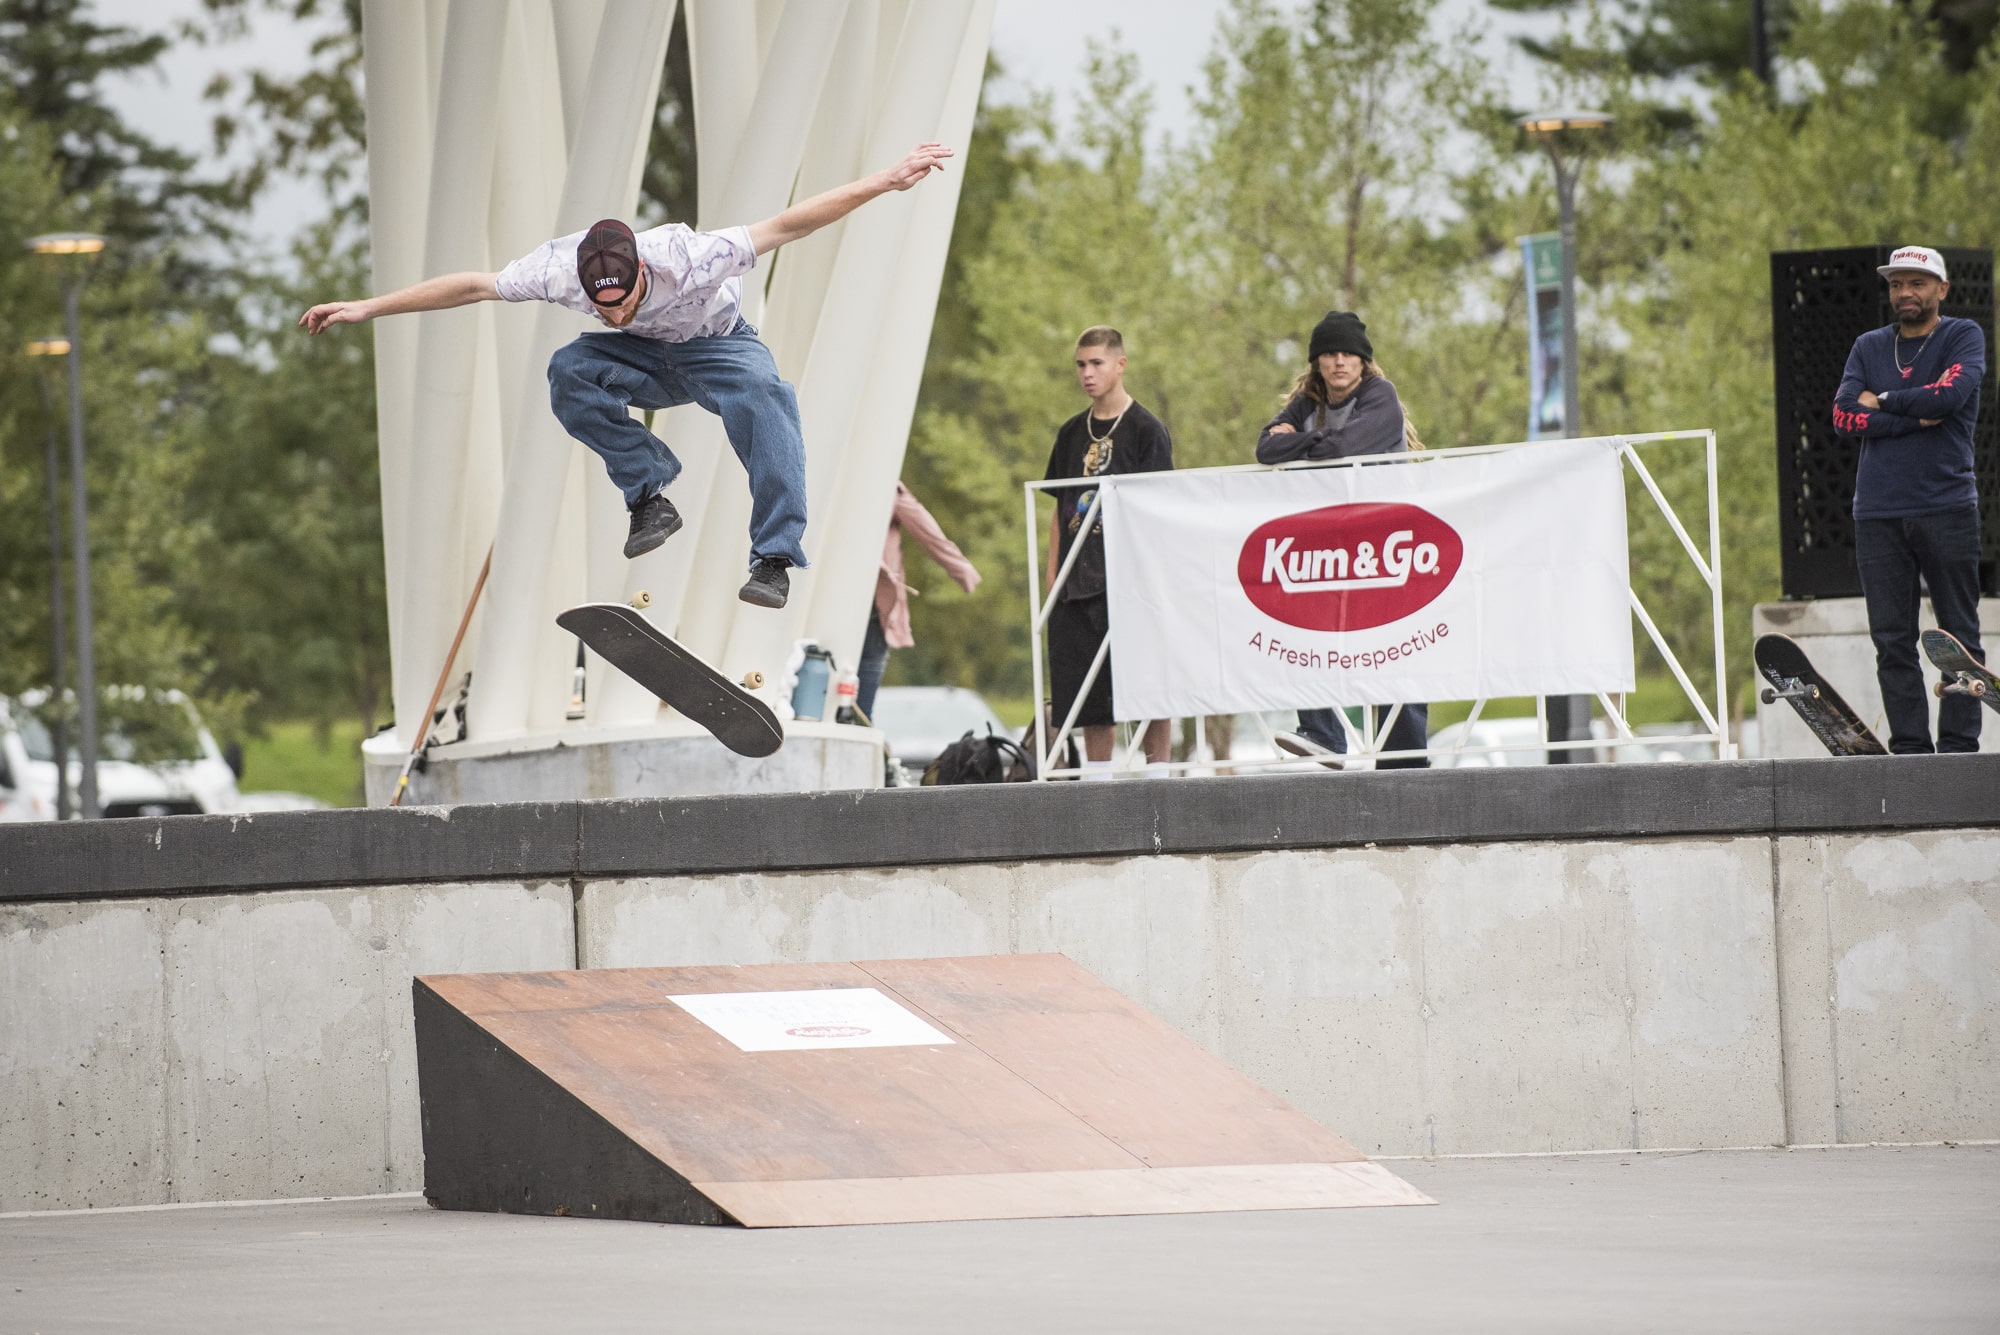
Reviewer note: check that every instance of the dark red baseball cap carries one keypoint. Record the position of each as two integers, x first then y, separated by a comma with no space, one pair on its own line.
607,262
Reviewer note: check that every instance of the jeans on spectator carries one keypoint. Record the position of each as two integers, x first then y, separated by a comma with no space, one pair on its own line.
874,658
1410,732
1892,553
596,377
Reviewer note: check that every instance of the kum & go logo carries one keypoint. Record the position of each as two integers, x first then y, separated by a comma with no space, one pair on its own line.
1349,567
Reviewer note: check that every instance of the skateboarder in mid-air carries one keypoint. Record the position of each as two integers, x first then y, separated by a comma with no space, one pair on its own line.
670,300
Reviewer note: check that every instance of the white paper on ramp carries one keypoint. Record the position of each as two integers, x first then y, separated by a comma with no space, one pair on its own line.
1452,578
827,1017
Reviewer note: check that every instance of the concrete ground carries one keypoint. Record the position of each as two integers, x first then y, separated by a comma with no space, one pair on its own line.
1850,1240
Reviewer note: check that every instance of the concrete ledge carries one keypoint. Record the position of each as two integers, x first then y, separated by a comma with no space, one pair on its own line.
193,855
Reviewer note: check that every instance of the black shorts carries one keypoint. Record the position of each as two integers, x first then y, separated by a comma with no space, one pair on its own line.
1076,628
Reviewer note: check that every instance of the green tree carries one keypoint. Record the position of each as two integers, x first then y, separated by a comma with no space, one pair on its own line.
1684,249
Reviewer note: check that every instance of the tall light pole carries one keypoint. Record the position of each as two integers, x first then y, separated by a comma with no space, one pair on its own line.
1554,131
1568,715
79,244
59,670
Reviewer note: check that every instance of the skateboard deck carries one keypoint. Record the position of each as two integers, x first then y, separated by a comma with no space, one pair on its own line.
1794,680
1965,675
624,638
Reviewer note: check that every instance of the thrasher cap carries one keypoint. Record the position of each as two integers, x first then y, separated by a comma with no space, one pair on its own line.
607,262
1915,257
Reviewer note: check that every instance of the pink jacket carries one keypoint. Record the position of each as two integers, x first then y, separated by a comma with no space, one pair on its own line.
892,591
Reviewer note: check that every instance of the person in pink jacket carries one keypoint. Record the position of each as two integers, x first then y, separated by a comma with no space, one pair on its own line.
889,619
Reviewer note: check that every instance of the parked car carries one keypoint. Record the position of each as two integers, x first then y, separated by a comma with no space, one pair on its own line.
21,797
155,757
921,721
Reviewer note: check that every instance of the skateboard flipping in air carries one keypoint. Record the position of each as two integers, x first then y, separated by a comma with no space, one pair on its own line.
1963,674
1794,680
624,638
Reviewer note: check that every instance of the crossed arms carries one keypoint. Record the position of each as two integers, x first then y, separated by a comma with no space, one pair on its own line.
1897,412
800,220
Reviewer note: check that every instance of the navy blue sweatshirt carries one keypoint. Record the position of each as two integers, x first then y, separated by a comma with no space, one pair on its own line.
1908,468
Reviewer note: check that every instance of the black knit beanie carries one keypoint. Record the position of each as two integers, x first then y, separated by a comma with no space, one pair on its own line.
1340,331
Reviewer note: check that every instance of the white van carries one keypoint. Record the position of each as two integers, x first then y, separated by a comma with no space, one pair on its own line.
154,758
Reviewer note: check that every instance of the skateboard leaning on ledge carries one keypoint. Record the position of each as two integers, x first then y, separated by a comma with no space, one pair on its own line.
624,638
1796,681
1964,674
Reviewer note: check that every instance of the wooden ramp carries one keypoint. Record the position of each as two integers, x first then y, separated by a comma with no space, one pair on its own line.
895,1091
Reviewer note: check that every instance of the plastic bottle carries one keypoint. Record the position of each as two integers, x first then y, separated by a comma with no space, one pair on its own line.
845,692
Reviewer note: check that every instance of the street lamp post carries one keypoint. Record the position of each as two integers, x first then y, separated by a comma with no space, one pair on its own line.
59,672
1568,715
1551,129
79,243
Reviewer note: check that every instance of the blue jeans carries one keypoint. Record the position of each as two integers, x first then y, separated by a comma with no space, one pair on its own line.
1410,732
1891,554
874,659
593,380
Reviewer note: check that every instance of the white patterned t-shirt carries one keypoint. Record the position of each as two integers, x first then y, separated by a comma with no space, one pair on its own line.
692,283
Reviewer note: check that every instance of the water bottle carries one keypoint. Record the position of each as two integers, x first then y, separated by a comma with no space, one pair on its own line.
809,696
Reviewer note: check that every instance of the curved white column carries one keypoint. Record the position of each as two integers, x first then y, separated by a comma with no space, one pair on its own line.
496,123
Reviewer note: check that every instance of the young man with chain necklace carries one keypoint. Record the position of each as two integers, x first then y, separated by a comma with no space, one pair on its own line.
1911,393
1114,435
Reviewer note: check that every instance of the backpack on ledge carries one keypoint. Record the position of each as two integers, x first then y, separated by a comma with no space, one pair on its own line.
987,759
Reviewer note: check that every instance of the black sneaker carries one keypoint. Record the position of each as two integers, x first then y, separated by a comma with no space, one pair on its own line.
654,520
769,585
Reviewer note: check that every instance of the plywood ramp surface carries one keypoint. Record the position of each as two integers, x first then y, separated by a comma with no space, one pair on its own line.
1053,1095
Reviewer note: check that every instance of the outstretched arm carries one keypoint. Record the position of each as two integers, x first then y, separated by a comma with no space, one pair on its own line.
433,294
808,216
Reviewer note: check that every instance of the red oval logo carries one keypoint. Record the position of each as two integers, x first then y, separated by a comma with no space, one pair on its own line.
1349,567
829,1031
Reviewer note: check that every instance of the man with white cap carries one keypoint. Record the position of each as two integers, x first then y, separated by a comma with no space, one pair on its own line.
669,299
1911,393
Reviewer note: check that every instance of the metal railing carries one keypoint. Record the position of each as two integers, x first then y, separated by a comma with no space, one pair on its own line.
1366,741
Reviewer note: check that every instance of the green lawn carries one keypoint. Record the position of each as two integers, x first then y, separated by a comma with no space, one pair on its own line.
1659,699
296,758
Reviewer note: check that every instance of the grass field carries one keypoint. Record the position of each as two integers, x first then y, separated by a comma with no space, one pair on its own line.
1659,699
299,758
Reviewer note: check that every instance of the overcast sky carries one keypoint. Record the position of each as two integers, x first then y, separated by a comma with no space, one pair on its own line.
1040,43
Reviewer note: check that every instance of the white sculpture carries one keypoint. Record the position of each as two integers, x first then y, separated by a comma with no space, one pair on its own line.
495,124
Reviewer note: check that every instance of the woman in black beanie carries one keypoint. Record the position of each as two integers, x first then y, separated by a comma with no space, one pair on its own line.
1341,406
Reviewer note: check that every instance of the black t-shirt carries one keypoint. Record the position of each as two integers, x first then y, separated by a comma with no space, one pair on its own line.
1084,448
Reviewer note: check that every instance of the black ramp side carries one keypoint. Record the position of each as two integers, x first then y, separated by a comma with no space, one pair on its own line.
501,1136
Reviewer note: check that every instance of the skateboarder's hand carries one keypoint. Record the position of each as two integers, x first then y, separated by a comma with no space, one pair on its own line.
920,162
1867,399
320,318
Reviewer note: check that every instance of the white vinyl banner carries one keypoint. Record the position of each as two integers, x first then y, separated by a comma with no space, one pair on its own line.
1443,578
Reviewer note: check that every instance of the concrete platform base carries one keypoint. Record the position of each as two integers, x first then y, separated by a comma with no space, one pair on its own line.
669,759
1771,1241
1834,634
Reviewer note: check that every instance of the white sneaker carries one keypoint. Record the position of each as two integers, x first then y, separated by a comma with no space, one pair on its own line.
1306,747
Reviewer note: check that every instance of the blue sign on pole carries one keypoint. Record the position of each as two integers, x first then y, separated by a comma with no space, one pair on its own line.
1541,256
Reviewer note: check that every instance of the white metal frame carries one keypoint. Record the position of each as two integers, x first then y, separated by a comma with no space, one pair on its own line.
1365,743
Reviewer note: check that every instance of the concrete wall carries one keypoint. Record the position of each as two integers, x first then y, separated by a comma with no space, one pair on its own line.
241,1047
1727,954
1506,997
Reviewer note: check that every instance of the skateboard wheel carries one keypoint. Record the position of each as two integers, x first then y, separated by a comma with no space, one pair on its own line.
1812,692
1768,696
752,680
643,598
1977,687
1939,690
